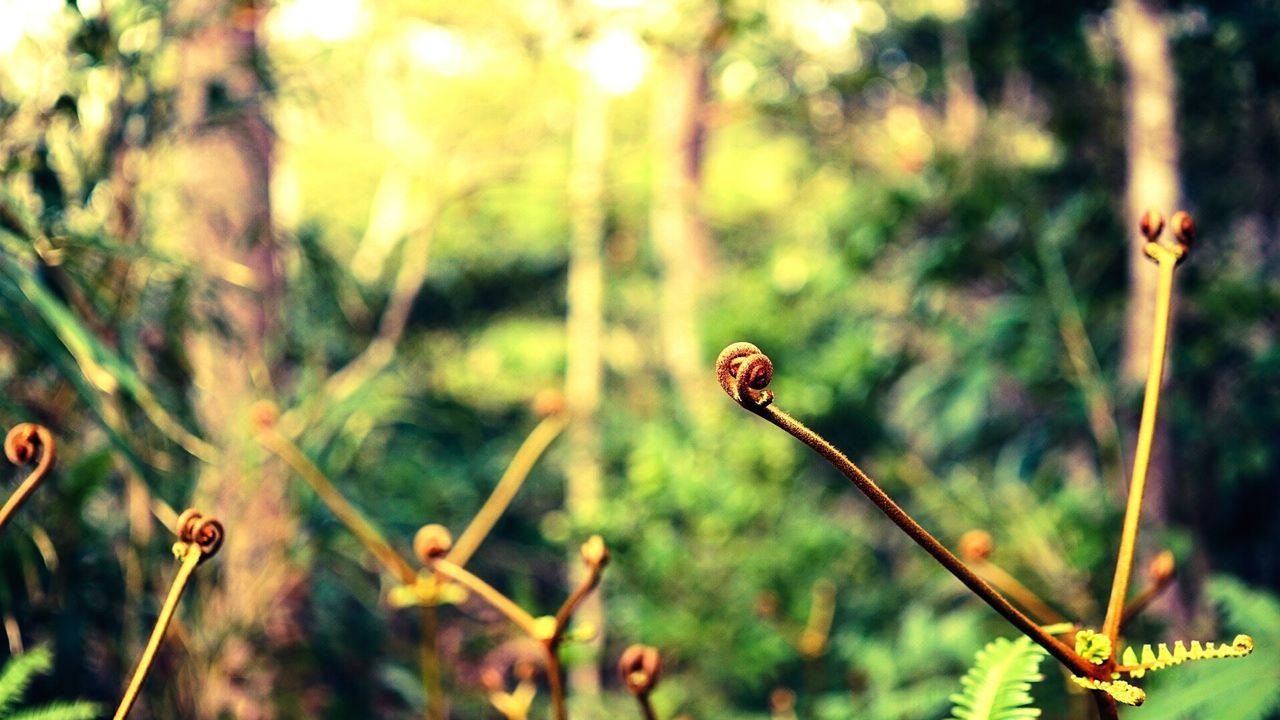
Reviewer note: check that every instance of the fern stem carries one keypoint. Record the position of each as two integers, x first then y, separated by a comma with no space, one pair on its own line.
924,539
191,555
1167,261
533,447
745,373
430,661
516,614
365,532
1107,708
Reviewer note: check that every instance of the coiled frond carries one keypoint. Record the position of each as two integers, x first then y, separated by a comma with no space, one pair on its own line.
1119,689
1162,657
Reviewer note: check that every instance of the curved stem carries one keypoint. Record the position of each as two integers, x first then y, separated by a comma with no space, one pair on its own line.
584,588
347,513
555,682
1023,595
1144,598
500,602
646,707
530,450
23,441
1142,456
868,487
191,555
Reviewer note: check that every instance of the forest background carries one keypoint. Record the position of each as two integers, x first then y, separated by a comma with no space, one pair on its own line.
418,227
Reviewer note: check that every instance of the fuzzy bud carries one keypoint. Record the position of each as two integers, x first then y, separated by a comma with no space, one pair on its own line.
431,542
1161,567
263,415
976,545
1151,224
640,666
1184,229
548,402
594,552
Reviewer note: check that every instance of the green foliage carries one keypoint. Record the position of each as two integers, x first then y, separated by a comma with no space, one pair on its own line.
17,675
998,685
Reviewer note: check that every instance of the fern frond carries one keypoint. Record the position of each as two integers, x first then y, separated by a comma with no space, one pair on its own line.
74,710
998,685
18,673
1118,689
1162,658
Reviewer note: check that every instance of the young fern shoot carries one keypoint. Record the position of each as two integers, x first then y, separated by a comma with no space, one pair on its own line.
640,668
199,539
745,374
24,443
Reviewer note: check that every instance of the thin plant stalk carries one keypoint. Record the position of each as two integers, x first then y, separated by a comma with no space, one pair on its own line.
347,513
555,682
190,558
1107,708
199,538
646,707
489,594
539,439
745,373
376,544
20,446
1001,579
1160,573
916,532
432,681
1142,457
432,545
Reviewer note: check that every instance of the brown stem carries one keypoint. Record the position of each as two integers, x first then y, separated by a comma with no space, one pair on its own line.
584,588
745,373
555,681
1144,598
199,539
1107,709
646,707
595,555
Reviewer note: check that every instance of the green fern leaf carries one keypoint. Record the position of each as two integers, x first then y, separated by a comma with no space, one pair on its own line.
18,673
75,710
998,685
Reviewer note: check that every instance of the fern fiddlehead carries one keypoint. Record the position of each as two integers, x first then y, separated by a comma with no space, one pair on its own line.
199,539
23,444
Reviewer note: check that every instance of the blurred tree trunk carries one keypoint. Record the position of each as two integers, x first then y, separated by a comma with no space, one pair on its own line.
1151,147
224,152
963,109
679,231
585,371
